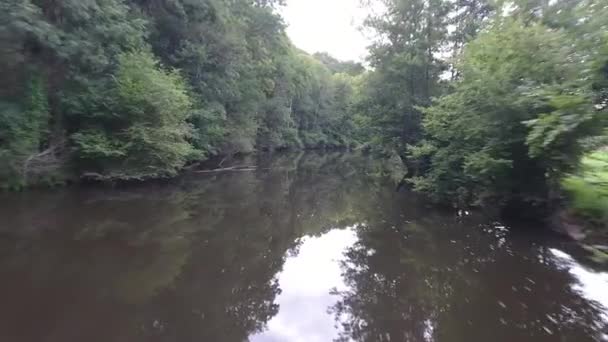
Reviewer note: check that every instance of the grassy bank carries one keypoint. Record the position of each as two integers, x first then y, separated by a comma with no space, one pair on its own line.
588,189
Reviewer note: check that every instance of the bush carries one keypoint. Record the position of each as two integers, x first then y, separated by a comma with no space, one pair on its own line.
588,189
142,132
512,126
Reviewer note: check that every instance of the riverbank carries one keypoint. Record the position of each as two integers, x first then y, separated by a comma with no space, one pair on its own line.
388,167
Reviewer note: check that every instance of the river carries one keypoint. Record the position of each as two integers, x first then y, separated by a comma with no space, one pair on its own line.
306,247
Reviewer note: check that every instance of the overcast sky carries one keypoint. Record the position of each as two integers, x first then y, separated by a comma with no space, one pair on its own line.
327,25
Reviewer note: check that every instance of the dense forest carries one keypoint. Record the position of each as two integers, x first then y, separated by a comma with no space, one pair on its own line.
492,102
115,89
485,101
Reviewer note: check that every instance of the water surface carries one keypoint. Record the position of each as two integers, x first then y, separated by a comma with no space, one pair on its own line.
308,247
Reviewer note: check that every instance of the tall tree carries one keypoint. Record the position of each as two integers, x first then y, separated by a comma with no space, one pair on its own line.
407,67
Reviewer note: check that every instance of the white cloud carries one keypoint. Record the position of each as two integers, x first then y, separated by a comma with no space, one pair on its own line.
327,26
306,281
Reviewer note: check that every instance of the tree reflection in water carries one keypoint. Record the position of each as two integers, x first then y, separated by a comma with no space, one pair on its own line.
415,277
199,259
195,259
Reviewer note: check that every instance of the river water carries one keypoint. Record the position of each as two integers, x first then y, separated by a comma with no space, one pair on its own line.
307,247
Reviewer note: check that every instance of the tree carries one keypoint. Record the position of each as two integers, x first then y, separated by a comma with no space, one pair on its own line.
513,124
23,131
338,67
134,89
54,55
407,67
140,129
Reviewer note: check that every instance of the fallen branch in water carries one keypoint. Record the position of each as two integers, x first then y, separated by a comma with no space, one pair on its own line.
232,168
244,168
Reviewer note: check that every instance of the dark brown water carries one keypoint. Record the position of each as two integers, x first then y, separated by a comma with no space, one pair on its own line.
310,247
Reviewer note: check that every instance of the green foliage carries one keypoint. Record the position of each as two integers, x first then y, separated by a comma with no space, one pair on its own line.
487,102
70,47
511,127
408,69
131,89
143,131
338,67
230,82
23,130
252,88
588,188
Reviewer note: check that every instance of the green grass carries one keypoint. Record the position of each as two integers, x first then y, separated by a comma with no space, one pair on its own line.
588,188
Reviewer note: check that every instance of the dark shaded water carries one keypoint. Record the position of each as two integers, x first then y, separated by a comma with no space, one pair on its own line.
309,247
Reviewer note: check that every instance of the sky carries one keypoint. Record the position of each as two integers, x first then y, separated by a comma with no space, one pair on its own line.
307,281
327,26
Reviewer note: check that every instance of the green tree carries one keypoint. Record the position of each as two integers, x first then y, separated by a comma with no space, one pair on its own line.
339,67
140,131
407,68
23,133
105,109
54,56
513,124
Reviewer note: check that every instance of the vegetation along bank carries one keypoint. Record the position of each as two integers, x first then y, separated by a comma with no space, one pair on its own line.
487,102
